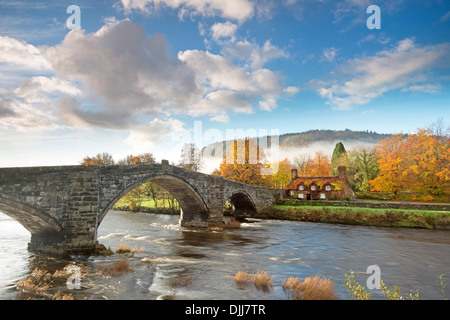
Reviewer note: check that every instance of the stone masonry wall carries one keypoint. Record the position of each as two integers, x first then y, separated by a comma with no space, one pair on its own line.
65,196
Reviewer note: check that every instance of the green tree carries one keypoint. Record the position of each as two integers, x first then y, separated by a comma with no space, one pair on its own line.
338,158
362,167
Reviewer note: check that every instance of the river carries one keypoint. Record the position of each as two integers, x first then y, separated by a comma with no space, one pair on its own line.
410,258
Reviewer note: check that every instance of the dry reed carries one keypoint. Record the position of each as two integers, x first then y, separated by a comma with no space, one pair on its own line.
312,288
117,267
123,249
243,277
32,286
60,296
261,279
232,224
180,281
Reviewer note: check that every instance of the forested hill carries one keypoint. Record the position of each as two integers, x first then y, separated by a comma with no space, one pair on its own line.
303,139
324,138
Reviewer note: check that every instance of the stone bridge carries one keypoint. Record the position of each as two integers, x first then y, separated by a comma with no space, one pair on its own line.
63,206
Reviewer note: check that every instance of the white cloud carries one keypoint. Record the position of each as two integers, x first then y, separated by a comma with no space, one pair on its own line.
38,89
239,10
221,30
362,79
427,88
25,117
231,87
252,54
329,54
221,118
290,91
146,136
124,72
445,17
22,55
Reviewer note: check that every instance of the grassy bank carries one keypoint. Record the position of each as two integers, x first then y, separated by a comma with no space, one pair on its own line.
359,216
402,196
148,205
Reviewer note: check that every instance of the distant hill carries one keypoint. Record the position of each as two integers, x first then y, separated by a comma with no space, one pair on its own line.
303,139
308,142
308,138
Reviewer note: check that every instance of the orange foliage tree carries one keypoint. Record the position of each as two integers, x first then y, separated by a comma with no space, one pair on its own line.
321,165
100,159
391,177
418,162
243,163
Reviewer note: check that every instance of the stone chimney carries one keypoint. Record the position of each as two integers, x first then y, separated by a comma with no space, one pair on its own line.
342,171
294,173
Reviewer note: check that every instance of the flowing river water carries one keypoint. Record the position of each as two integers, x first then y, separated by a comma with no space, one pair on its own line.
410,258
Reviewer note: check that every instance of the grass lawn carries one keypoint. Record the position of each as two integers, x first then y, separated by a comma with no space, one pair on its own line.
146,203
359,216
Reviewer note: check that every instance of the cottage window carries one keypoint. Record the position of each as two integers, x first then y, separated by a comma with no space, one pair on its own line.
328,187
292,193
301,187
313,188
322,196
300,195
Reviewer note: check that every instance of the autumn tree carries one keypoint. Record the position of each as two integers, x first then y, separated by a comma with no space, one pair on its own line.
303,163
418,162
100,159
281,178
191,157
390,153
319,165
243,163
428,162
140,158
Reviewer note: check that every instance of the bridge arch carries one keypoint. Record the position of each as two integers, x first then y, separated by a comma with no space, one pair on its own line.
191,203
43,227
243,204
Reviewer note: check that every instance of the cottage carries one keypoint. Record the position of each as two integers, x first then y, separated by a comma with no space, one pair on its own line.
320,188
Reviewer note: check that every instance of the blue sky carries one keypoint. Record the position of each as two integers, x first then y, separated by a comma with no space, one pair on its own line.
138,74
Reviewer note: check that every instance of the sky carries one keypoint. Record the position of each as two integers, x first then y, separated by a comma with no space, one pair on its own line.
128,76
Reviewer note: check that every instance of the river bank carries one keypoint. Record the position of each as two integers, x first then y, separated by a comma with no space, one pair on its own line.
354,215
